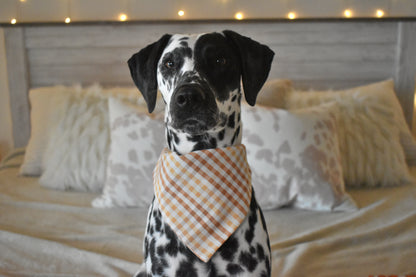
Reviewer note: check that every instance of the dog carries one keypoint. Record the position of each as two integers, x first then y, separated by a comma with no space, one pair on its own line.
199,77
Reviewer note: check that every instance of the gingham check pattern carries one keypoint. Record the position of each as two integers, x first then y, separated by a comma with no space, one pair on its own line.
204,195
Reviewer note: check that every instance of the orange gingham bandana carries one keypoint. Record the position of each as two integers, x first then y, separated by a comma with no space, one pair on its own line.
204,195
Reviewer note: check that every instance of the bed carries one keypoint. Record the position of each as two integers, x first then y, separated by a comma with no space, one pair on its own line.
60,214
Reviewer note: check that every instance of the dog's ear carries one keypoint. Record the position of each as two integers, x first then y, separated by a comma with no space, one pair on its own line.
256,60
143,68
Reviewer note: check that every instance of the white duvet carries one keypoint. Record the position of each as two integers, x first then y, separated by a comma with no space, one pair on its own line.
53,233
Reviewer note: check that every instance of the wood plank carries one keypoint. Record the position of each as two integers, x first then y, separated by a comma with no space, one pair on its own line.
405,69
118,73
18,76
130,35
284,53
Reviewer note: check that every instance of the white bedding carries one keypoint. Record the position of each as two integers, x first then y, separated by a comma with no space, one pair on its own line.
53,233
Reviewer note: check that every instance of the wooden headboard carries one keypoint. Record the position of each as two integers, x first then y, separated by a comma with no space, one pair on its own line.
314,54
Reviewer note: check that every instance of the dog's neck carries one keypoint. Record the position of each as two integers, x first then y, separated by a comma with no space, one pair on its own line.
228,134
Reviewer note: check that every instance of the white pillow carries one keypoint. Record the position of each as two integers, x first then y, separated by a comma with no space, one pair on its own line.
137,139
371,131
46,109
77,150
294,158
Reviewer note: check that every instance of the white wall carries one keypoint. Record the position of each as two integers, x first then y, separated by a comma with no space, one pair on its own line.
6,140
93,10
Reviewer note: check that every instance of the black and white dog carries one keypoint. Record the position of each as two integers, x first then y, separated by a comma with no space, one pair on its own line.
199,78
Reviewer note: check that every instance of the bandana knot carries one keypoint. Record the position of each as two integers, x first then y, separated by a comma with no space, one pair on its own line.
204,195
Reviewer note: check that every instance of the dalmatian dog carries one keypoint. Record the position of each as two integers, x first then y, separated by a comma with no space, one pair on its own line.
199,77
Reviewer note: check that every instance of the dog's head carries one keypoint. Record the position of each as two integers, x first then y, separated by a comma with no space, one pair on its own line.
199,77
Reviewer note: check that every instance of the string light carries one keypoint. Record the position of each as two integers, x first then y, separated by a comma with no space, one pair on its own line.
239,16
122,17
13,21
348,13
379,13
181,13
67,20
291,15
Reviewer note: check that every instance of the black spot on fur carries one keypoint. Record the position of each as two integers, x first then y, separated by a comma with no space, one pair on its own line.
176,138
157,264
260,252
186,269
172,246
229,248
169,139
224,78
211,269
252,220
221,135
231,120
158,222
236,134
248,261
234,98
234,269
176,58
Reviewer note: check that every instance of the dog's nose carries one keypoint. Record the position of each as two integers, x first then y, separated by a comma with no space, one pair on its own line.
188,96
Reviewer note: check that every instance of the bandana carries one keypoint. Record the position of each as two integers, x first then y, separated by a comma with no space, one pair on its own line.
204,195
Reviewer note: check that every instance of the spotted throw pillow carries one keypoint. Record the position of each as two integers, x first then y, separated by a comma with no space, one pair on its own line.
295,158
137,139
373,136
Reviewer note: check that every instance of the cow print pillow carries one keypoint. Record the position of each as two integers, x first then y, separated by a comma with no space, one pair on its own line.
295,158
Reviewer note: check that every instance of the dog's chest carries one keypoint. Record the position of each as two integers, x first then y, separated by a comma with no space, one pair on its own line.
246,252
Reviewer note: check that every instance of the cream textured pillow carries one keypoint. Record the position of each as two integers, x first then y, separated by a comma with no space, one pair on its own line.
137,139
275,92
371,127
294,158
46,109
77,150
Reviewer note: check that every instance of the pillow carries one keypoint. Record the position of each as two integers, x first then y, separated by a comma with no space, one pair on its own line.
137,139
372,132
46,109
294,158
77,149
13,159
275,92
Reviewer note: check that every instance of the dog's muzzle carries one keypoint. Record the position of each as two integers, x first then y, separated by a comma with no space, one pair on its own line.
193,108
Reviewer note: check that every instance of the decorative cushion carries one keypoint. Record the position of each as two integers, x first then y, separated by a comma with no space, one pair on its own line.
372,132
77,150
295,159
275,91
46,109
137,139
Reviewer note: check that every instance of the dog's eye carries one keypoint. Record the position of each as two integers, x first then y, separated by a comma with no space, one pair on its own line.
169,64
221,61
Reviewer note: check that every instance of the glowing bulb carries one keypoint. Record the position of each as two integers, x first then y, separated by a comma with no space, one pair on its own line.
13,21
22,1
239,16
67,20
379,13
181,13
122,17
291,15
348,13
